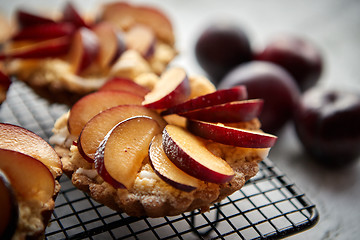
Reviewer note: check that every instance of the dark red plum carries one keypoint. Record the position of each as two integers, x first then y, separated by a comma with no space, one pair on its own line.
297,55
10,211
220,48
327,123
271,83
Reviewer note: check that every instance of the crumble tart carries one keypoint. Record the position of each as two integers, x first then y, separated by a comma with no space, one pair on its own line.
29,174
148,194
80,53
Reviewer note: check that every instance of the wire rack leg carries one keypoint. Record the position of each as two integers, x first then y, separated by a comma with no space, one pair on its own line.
210,229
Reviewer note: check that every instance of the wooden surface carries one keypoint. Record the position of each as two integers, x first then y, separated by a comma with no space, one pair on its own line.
335,27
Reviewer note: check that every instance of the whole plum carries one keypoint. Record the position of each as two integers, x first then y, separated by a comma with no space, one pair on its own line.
297,55
221,47
270,82
327,123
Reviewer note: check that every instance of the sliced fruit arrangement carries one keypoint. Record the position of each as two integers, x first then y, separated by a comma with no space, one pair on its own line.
29,169
118,136
39,37
85,42
96,129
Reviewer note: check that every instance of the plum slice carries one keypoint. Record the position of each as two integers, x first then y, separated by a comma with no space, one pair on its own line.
92,104
84,50
173,88
30,178
124,84
71,15
121,153
237,111
231,136
218,97
112,44
142,39
49,48
44,31
26,19
190,154
167,170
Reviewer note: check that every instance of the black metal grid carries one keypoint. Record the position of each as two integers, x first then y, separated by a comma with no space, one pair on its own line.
269,206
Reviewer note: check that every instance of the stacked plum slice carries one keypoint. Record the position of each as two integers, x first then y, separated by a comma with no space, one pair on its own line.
29,169
117,136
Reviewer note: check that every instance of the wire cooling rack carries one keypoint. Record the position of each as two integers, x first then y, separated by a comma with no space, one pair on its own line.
269,206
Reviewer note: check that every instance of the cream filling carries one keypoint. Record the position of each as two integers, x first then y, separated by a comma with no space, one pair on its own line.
144,174
62,138
90,173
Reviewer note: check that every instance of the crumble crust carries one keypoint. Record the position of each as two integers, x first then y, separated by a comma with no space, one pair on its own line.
151,196
34,217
